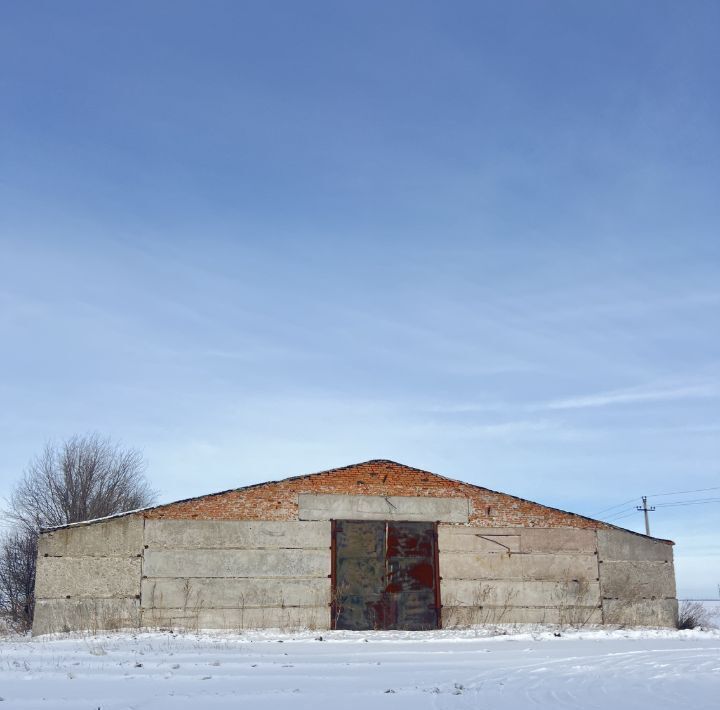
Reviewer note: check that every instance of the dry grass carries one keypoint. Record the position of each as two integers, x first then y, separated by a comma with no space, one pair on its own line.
693,615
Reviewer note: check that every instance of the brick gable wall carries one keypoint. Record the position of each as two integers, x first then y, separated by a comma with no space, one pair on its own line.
278,500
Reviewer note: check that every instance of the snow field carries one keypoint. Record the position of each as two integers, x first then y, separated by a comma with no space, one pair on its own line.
347,670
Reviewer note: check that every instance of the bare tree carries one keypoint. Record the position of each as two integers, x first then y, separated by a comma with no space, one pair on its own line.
18,552
83,478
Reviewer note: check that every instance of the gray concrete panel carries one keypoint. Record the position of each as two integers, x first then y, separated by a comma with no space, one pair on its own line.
479,540
519,593
621,545
62,615
219,593
284,618
625,579
557,540
229,534
455,565
236,563
342,507
86,577
646,612
119,537
460,617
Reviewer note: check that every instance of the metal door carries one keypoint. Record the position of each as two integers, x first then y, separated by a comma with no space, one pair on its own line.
385,575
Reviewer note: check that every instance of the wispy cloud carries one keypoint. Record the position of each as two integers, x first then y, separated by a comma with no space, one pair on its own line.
635,395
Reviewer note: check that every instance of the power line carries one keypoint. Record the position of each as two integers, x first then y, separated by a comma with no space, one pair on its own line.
677,493
689,502
632,500
622,517
652,495
620,513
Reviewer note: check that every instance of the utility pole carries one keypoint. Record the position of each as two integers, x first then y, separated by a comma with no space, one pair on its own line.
645,509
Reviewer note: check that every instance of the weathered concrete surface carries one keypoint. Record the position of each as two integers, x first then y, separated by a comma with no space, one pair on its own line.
458,617
222,593
555,540
335,507
621,545
120,537
456,538
268,617
236,563
640,612
637,579
464,539
230,534
456,565
527,593
59,615
236,574
244,574
87,577
518,575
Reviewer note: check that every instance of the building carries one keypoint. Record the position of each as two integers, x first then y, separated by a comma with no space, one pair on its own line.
372,545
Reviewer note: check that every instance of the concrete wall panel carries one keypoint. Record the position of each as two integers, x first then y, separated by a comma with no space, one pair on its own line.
221,593
120,537
455,538
554,540
87,577
525,593
329,507
229,534
644,612
633,579
464,539
621,545
237,563
268,617
637,579
61,615
459,617
454,565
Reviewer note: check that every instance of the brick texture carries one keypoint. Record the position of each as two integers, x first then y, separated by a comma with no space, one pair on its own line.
278,500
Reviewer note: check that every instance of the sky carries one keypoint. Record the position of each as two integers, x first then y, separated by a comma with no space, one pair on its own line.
255,240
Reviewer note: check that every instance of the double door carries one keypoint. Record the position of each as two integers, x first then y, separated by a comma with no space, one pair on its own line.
385,575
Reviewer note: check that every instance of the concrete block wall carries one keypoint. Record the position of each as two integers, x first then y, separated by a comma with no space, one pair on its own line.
215,562
637,579
239,574
88,577
518,575
553,575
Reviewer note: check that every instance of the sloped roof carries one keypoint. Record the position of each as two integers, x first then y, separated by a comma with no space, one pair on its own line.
351,467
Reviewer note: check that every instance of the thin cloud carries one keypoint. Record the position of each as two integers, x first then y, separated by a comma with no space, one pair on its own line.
634,396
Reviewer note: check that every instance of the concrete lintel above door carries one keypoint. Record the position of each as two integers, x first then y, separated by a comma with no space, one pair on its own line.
314,506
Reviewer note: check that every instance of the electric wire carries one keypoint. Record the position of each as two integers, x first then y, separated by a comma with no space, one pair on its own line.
617,513
677,493
688,502
620,513
614,506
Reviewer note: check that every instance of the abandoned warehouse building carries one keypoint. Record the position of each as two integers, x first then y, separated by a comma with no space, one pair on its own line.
375,545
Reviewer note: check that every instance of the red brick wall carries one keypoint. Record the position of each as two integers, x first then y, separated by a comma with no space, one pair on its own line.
278,500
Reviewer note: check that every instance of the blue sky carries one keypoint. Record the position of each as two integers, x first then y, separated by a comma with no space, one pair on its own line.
261,239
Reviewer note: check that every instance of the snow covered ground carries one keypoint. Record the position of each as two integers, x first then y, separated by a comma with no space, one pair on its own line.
528,668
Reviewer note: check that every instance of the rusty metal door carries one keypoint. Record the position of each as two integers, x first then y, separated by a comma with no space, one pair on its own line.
385,575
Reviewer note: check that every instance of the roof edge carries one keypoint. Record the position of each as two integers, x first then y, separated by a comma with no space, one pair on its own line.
344,468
